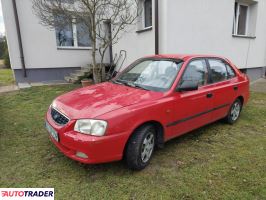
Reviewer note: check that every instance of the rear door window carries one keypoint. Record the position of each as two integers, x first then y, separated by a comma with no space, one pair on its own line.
230,72
218,70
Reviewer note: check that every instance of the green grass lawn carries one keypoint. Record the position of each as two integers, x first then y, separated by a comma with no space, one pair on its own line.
218,161
6,77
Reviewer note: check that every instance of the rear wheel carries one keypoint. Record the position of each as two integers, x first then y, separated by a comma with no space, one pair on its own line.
234,112
140,147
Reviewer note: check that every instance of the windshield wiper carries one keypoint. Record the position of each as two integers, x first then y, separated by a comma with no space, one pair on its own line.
130,84
140,87
117,82
121,82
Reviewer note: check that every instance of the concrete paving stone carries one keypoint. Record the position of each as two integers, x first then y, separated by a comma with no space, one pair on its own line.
8,88
259,85
24,85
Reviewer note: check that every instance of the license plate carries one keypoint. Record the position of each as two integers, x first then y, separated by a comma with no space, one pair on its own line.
51,131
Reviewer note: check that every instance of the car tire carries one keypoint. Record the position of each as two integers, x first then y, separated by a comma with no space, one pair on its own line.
140,147
234,112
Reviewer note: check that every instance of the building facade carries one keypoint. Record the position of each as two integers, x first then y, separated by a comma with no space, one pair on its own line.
49,54
235,29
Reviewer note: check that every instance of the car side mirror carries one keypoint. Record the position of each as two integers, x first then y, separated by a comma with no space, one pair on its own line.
188,86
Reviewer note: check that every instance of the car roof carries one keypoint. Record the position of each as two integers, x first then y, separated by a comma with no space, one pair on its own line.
184,57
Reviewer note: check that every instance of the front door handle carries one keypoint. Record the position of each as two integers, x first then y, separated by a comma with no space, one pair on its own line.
235,88
209,95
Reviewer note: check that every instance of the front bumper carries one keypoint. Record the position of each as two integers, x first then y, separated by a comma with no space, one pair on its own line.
98,149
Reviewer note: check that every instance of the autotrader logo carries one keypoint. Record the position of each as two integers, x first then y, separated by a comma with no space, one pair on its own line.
27,193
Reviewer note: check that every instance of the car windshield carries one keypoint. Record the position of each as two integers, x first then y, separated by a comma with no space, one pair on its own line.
155,75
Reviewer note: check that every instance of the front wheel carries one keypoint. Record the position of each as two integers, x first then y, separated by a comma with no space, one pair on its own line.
234,112
140,147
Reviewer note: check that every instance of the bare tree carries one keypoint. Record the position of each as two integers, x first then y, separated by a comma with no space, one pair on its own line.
94,14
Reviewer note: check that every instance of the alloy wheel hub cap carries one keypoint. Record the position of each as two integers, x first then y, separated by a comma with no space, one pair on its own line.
147,147
235,111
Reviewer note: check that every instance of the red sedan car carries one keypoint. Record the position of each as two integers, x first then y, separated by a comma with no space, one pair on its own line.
152,101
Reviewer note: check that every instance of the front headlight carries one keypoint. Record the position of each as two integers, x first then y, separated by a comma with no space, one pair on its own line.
91,127
53,105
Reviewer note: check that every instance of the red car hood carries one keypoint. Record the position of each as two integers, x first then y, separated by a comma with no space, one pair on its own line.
93,101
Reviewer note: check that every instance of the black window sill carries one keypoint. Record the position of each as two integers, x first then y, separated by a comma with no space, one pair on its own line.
144,30
244,36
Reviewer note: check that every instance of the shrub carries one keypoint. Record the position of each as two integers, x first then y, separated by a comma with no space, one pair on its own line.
2,48
6,58
4,54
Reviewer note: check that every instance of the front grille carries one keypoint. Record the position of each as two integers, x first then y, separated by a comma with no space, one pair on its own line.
58,117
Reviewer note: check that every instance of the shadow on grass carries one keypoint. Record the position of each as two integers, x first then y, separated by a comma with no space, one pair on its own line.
195,134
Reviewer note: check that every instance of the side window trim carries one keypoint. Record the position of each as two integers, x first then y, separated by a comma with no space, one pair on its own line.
209,71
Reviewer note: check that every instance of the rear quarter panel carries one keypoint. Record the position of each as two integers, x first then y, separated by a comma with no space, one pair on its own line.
243,83
244,88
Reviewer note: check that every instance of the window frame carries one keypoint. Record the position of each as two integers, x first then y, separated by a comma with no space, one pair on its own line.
228,78
144,15
210,72
236,19
75,39
209,78
177,61
192,60
141,26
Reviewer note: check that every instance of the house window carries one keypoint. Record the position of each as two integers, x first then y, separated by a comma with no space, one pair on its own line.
147,13
245,17
240,21
64,35
83,37
71,34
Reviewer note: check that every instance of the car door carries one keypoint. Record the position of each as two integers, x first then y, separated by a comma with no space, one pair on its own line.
190,108
223,87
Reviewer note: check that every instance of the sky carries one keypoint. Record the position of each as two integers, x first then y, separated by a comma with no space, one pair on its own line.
2,27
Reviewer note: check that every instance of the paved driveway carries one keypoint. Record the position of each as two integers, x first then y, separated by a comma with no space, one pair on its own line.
259,86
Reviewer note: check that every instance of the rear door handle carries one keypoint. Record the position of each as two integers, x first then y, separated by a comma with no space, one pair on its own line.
235,88
209,95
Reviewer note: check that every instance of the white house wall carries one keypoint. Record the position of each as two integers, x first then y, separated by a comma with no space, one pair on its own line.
39,43
136,44
200,27
205,27
185,26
